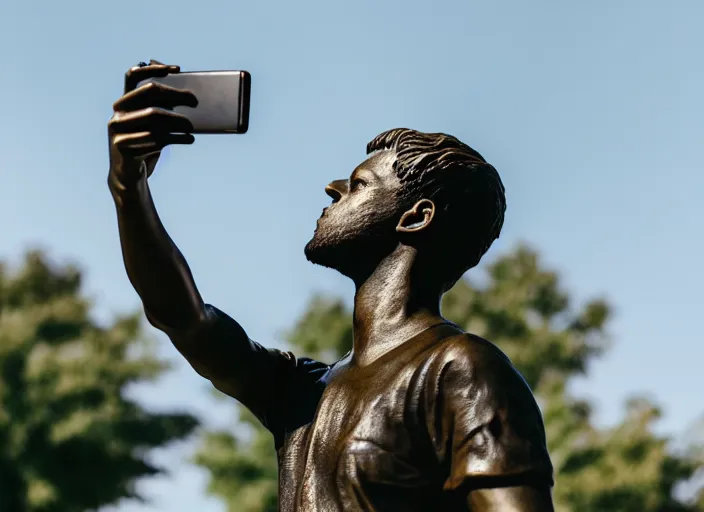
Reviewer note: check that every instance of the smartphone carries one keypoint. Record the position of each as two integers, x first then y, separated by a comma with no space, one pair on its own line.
223,99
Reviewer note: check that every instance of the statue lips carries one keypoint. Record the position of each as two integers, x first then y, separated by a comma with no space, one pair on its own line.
317,224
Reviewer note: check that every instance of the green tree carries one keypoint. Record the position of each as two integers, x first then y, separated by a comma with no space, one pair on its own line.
70,439
520,306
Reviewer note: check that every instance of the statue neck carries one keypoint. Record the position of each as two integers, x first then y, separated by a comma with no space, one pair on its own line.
392,305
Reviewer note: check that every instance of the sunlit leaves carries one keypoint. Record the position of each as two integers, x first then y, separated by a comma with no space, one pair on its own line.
70,440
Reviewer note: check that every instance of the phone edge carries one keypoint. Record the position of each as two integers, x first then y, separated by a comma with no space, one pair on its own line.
245,94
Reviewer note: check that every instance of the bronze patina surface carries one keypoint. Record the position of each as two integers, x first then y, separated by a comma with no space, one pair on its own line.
419,415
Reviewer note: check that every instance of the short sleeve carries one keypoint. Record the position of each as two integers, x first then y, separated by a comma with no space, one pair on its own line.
484,422
277,387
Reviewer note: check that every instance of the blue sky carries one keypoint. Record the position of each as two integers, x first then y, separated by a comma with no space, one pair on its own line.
591,111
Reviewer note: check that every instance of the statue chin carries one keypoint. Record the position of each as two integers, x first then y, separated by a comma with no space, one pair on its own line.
326,255
336,254
348,251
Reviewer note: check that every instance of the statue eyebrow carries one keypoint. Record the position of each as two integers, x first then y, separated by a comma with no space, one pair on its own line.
362,170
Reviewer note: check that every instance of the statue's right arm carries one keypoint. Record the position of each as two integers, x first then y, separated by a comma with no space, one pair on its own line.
214,344
155,266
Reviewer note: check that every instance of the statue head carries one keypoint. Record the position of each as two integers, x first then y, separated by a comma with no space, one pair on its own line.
426,191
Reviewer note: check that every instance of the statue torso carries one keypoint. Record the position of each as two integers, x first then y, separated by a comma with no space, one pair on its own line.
367,443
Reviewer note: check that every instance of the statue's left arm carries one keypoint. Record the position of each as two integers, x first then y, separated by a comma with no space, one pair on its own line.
524,498
488,433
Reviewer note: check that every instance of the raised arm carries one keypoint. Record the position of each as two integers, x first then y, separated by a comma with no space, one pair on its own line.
215,345
142,125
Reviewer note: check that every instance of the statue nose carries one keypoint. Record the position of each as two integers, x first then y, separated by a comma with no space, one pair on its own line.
336,190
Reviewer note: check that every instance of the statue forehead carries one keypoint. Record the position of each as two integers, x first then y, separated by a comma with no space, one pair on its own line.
380,163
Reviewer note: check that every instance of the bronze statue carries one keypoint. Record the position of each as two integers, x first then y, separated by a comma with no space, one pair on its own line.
419,415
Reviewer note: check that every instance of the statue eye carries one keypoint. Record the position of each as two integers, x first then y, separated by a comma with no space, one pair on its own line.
357,183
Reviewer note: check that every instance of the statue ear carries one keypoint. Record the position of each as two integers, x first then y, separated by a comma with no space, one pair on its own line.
417,218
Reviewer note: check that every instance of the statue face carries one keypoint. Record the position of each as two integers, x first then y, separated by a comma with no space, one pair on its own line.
359,228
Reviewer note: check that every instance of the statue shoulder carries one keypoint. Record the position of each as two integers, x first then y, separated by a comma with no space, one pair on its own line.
465,359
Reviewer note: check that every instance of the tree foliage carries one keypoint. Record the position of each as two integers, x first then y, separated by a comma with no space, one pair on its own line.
70,438
520,306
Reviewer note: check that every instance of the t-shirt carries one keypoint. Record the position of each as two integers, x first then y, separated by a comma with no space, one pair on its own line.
443,413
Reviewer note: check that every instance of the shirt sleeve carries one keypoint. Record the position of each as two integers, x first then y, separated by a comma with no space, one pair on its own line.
484,423
276,386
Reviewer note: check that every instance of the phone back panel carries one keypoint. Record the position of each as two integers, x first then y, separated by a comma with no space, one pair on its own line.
223,99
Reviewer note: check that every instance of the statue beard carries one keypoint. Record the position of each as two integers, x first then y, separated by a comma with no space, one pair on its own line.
354,247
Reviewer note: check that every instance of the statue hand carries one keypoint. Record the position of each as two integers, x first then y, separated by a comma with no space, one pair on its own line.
144,122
